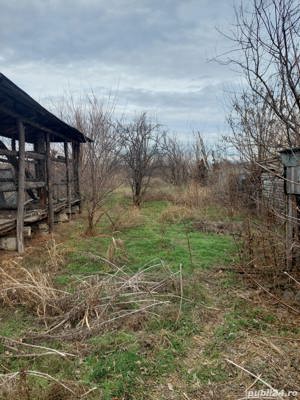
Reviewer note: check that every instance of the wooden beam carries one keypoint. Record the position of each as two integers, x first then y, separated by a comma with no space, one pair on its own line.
13,160
49,184
28,154
68,178
21,188
12,187
76,168
27,181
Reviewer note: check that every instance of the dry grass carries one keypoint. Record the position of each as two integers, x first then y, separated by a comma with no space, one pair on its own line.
219,227
176,214
159,190
122,301
266,344
263,247
97,303
160,195
31,288
116,251
18,386
55,254
263,263
125,218
194,196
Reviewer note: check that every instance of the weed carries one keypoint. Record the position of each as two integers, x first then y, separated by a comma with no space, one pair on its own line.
117,373
14,323
176,214
211,373
230,280
240,319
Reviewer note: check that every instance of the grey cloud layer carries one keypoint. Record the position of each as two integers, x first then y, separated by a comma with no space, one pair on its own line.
133,41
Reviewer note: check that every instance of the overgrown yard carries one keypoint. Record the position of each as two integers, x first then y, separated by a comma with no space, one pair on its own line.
188,318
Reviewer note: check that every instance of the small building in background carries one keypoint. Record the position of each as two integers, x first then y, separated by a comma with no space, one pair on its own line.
280,181
272,185
290,159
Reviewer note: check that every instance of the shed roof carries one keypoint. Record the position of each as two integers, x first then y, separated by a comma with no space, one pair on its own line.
291,150
290,157
17,104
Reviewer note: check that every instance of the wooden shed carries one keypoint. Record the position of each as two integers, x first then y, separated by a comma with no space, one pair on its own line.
280,179
290,159
273,195
39,163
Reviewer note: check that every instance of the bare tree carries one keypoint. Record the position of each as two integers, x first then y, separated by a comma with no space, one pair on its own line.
141,140
100,160
176,161
257,133
201,154
267,37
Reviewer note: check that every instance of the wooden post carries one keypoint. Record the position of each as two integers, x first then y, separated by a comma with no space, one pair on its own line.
290,230
69,193
40,170
49,184
21,188
76,166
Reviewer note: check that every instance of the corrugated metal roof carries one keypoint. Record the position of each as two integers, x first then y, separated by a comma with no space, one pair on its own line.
17,104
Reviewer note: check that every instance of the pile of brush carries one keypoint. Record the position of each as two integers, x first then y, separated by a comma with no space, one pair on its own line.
95,303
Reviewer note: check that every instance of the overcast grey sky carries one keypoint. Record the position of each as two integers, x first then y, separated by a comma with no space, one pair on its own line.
152,53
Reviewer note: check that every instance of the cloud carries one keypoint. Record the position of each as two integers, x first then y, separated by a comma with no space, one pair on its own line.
153,53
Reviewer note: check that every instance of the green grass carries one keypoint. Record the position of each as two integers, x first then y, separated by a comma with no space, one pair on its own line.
229,280
123,364
120,363
14,323
242,318
144,244
210,374
117,372
137,360
154,241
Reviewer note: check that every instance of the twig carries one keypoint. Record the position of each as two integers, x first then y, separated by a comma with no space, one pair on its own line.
189,246
290,276
49,350
28,355
38,374
181,293
271,294
280,337
88,392
253,375
275,297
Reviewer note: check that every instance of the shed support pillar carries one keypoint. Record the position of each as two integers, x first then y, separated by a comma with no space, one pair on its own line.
76,168
69,190
40,170
291,230
49,184
21,188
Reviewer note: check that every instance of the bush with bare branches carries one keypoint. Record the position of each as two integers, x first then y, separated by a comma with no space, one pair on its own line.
100,160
